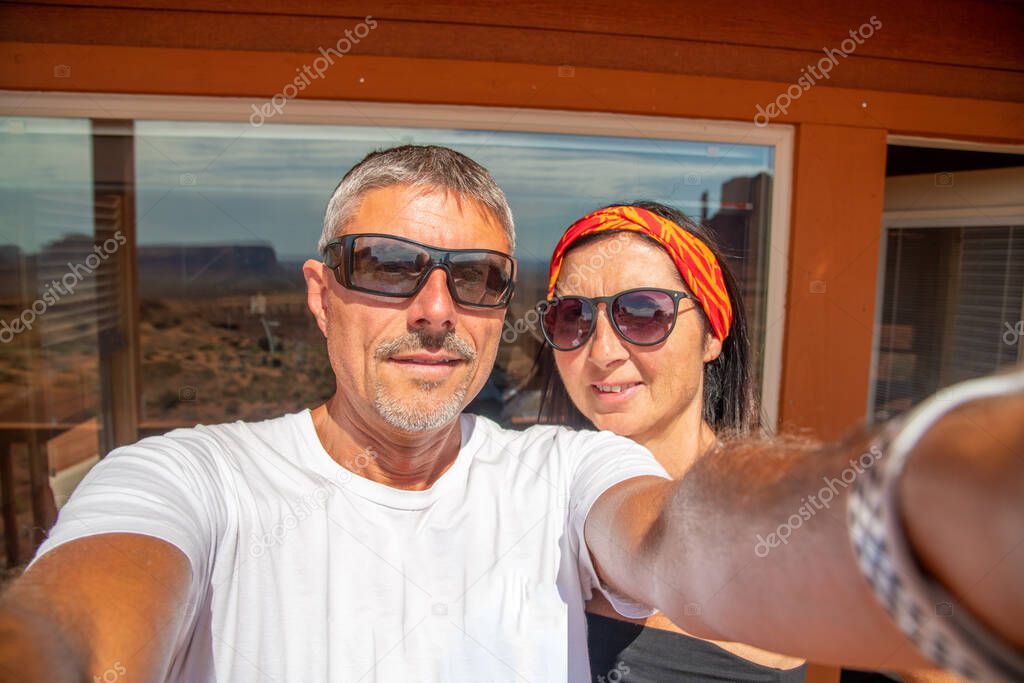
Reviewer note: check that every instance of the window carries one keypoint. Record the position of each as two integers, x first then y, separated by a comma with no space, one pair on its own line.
227,215
54,301
201,316
951,312
952,297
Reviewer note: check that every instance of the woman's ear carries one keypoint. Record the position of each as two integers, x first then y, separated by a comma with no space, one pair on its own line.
712,347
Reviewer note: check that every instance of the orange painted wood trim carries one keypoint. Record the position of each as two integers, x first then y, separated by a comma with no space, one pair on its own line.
838,188
778,47
99,68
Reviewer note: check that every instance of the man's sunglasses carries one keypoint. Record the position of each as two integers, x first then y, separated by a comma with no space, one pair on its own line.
386,265
643,316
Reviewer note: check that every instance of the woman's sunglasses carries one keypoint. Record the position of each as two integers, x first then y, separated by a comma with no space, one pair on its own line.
394,266
643,316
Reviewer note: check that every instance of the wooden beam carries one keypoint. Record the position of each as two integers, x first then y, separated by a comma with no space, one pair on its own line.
117,282
839,183
988,35
261,75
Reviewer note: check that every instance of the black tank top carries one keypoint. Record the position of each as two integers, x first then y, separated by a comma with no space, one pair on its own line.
623,652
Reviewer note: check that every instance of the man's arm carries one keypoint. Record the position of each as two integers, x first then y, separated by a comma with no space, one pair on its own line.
749,547
110,602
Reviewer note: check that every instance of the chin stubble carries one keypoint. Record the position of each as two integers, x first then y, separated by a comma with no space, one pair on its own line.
425,411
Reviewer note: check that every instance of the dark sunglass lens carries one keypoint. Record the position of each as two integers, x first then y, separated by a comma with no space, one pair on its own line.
481,279
644,317
387,266
568,322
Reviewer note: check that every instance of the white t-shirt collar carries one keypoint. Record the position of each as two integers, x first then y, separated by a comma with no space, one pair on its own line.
319,460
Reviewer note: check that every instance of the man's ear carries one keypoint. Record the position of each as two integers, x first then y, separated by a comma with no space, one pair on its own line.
712,347
317,291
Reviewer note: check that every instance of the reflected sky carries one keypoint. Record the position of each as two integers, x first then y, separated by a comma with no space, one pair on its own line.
216,183
271,183
45,180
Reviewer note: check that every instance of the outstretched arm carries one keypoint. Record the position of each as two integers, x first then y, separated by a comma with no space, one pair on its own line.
752,544
110,602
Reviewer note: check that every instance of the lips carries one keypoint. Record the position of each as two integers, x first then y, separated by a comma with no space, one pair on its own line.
426,359
429,367
614,395
614,388
617,387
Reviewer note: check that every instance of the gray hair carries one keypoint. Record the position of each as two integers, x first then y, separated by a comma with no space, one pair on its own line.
423,166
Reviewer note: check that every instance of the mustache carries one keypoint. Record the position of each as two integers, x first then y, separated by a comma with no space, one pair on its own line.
415,341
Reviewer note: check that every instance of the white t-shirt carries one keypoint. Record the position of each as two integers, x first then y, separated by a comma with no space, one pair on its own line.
305,571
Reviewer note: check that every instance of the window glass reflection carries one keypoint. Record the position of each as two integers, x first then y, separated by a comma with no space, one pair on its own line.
51,313
215,321
228,212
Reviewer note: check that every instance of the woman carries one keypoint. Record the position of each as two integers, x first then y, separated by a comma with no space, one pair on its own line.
650,342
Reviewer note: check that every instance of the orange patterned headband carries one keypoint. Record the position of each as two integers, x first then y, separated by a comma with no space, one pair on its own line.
696,263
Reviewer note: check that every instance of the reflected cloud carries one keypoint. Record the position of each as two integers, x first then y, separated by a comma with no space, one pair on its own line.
251,175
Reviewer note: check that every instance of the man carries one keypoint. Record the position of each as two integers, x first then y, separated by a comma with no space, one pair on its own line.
382,536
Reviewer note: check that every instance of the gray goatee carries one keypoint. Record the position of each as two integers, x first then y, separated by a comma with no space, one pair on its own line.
422,411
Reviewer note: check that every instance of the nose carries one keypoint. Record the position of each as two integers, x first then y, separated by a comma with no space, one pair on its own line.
432,309
607,349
